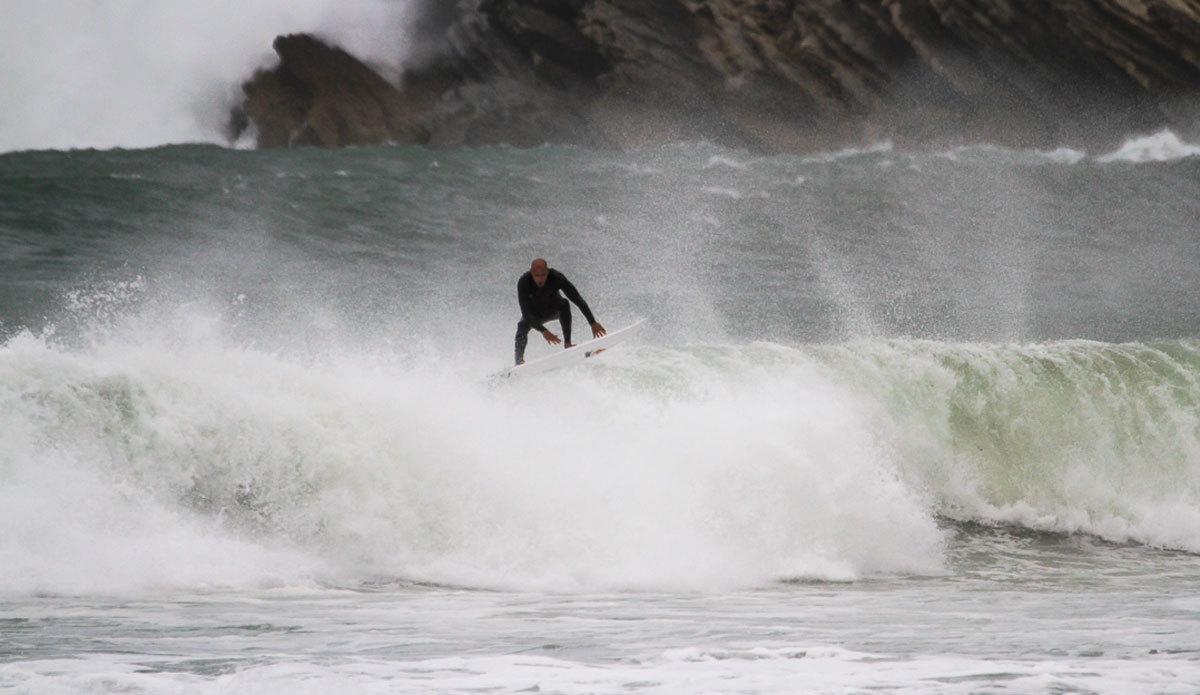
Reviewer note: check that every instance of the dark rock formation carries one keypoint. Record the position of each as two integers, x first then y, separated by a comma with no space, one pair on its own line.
769,75
320,95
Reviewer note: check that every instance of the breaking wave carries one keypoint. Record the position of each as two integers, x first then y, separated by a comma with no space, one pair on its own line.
183,460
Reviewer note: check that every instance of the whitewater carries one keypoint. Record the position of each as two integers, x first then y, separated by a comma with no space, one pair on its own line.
899,421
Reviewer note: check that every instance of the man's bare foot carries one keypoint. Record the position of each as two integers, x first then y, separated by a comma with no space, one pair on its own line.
568,346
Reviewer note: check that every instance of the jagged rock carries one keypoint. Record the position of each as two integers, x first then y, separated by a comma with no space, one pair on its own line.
321,95
770,75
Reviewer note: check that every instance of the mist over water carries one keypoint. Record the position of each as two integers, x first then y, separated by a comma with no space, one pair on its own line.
122,73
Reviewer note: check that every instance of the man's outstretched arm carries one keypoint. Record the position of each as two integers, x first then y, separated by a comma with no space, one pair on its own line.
573,295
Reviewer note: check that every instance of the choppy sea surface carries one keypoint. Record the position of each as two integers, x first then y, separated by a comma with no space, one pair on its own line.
899,422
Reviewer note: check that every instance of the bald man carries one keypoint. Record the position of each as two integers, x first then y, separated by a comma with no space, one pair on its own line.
538,295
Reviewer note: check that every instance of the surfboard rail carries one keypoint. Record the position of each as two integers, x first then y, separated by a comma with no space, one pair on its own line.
576,353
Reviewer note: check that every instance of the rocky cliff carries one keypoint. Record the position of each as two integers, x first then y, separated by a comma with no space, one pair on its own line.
768,75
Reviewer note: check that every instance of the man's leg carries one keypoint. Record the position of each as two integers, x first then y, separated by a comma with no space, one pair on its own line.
564,320
522,340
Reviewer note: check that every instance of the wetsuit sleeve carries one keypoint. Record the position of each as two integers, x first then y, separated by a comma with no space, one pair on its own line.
573,295
523,292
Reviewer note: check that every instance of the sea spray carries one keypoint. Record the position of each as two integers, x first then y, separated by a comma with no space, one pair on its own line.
77,515
131,74
698,466
576,480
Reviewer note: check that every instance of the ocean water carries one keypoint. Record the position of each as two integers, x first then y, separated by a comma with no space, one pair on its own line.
899,422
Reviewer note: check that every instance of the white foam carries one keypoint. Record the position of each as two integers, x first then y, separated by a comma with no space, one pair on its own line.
1065,155
703,468
750,668
76,518
1163,146
372,468
851,152
719,161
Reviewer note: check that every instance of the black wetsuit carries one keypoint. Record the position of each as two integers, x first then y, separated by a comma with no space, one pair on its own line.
541,304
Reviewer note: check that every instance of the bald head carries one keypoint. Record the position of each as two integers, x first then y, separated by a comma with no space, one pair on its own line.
540,271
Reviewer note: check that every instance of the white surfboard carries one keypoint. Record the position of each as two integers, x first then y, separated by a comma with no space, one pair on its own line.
578,353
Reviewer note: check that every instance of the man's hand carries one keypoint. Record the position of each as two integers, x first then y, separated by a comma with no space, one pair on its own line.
550,337
598,330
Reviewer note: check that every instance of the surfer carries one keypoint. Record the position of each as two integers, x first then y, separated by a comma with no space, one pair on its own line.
538,295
